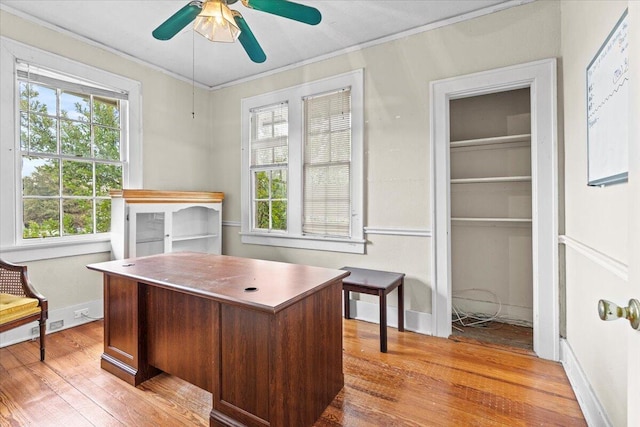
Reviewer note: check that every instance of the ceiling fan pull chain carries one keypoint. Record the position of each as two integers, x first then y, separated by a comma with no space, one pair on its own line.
193,74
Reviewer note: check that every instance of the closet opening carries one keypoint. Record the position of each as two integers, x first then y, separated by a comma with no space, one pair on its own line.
522,212
490,187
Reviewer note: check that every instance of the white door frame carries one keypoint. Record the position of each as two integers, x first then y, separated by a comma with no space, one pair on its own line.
540,76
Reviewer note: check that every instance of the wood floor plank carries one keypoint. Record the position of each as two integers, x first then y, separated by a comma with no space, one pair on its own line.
421,381
39,404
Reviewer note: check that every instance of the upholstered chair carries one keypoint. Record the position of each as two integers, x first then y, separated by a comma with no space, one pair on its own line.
20,302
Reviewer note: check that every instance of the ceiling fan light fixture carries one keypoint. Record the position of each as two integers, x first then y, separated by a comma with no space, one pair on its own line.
216,22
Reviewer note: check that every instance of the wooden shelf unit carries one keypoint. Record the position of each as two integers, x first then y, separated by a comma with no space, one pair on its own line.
149,222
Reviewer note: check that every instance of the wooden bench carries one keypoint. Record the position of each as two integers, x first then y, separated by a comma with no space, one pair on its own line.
374,282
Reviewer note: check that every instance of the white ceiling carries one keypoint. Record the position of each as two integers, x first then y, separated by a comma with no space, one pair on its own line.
126,26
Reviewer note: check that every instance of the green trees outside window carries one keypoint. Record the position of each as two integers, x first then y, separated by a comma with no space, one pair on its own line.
71,158
271,200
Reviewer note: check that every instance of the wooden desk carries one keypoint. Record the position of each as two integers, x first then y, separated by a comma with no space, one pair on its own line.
264,338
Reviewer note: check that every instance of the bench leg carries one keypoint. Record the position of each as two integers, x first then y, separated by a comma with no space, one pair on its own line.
383,321
347,314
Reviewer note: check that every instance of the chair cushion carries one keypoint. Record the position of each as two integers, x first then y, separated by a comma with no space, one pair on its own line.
14,307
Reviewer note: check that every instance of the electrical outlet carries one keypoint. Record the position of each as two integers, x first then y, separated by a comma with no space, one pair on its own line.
56,325
79,313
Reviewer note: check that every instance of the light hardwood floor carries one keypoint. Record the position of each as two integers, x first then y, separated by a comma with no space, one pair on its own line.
422,381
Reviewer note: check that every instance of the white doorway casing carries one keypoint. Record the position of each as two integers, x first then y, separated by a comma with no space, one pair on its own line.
540,77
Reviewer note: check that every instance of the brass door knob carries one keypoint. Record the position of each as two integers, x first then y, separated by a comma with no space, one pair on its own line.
611,311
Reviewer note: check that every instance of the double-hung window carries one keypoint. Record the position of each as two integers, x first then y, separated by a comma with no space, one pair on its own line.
269,158
302,166
73,132
70,142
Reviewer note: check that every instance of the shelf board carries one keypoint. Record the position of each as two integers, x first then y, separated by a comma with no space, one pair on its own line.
194,237
491,179
149,240
509,139
494,220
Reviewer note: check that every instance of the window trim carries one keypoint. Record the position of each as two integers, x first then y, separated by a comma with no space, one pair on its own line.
11,241
294,95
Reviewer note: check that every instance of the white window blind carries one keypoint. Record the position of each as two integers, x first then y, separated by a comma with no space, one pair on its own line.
327,164
34,74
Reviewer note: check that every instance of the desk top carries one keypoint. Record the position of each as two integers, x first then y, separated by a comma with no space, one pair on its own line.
225,278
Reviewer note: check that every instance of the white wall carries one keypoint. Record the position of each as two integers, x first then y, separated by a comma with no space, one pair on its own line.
595,218
397,185
176,151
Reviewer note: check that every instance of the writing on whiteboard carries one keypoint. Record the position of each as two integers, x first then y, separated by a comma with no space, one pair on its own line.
608,108
616,70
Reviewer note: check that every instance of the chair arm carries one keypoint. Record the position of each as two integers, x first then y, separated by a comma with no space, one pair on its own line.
27,286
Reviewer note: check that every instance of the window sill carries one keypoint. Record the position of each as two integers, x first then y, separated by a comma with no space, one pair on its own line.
305,242
43,249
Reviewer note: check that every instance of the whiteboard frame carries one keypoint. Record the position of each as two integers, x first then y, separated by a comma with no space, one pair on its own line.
623,176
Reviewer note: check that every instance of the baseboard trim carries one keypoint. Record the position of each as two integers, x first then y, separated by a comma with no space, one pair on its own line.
415,321
592,410
24,333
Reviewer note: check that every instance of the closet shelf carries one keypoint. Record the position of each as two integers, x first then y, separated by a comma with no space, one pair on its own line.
494,220
508,139
491,179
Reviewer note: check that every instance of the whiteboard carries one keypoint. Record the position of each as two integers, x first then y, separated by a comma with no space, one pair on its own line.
608,109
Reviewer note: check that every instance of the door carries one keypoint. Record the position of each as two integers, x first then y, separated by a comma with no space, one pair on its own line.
148,230
633,337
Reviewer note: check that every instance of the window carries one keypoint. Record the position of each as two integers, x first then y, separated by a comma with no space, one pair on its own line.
302,166
269,157
70,140
75,134
327,164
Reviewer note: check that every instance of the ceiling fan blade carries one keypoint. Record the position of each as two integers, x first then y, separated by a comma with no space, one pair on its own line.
297,12
248,40
178,21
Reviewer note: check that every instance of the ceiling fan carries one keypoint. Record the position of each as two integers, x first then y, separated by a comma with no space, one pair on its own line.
215,21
